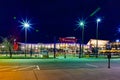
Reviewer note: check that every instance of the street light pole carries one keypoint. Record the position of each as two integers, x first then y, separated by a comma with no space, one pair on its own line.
117,41
80,49
25,25
98,20
82,23
54,47
82,40
25,41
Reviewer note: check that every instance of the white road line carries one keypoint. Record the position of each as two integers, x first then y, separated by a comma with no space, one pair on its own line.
91,65
8,68
5,69
18,68
23,68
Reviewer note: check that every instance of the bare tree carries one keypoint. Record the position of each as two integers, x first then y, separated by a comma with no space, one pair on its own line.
7,45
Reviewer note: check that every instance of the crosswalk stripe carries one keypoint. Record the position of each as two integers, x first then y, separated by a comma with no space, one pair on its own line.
17,68
23,68
8,68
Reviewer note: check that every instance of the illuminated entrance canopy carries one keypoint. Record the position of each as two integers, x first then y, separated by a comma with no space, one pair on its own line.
101,43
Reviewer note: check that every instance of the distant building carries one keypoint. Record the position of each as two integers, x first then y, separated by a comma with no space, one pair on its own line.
68,45
101,43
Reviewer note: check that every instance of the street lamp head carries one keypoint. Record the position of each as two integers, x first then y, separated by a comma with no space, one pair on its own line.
26,25
117,40
98,20
81,23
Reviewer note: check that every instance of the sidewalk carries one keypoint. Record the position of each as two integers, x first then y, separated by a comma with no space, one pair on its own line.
62,74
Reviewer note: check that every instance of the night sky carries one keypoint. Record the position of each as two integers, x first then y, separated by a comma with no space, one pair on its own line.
59,18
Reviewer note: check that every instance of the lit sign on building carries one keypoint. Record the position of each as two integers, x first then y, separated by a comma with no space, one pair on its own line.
68,40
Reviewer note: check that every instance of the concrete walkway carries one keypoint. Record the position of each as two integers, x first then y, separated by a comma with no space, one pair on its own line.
62,74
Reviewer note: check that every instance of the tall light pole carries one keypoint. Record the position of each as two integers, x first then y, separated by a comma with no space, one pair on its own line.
117,41
82,24
26,25
54,47
98,20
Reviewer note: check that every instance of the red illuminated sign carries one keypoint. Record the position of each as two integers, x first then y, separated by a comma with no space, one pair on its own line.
68,40
15,46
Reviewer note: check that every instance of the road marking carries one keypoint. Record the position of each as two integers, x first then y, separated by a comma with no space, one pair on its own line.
23,68
18,68
91,65
38,68
4,68
7,66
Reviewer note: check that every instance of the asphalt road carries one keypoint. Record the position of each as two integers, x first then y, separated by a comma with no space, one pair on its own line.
52,64
59,69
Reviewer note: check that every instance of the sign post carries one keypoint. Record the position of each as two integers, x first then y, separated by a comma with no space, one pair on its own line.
108,47
109,57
